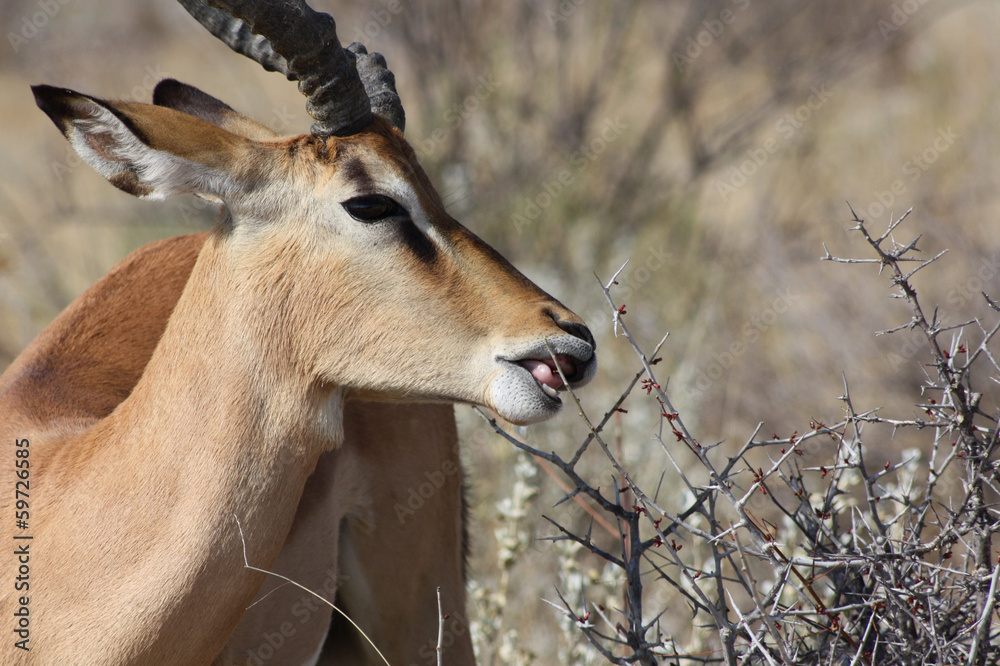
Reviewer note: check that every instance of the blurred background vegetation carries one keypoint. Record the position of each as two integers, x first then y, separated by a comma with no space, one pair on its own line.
714,144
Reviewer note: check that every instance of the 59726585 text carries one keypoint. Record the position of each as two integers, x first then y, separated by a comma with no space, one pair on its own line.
22,543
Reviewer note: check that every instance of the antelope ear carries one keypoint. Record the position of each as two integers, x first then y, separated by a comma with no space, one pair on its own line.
150,151
192,101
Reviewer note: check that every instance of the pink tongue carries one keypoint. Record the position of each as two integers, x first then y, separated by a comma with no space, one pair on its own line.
545,373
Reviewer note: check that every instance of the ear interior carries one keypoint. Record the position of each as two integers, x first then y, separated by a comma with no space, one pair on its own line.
101,138
145,150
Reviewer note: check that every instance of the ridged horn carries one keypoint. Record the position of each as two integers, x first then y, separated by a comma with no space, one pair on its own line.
343,87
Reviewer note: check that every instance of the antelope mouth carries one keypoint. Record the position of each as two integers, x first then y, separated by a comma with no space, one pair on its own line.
526,390
549,373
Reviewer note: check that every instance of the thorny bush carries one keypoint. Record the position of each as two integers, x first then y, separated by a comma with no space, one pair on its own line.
865,561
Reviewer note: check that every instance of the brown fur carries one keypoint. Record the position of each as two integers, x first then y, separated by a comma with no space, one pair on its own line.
89,359
291,309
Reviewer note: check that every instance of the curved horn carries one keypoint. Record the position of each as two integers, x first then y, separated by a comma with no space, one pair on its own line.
236,35
380,85
291,38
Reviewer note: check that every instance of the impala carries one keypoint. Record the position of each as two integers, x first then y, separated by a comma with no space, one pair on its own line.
175,417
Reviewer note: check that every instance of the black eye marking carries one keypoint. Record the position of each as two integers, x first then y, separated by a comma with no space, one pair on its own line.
374,208
421,246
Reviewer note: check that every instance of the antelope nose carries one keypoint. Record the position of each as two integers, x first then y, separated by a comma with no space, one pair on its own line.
579,331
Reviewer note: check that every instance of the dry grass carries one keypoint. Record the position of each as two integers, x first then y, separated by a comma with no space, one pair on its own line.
714,267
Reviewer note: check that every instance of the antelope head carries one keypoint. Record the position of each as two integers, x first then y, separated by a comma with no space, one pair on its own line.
334,263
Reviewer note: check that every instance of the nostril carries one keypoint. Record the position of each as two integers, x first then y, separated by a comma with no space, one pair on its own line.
578,330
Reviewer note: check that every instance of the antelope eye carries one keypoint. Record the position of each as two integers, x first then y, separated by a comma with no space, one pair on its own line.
373,208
